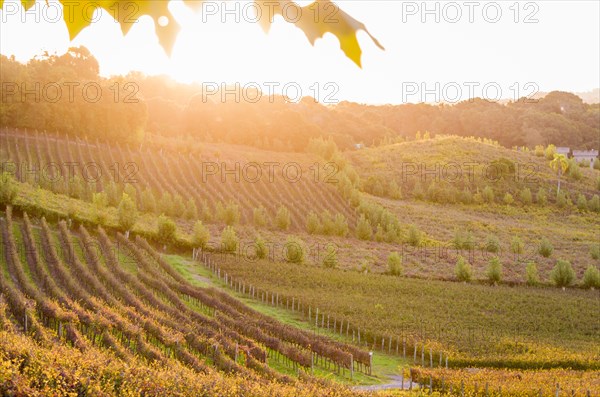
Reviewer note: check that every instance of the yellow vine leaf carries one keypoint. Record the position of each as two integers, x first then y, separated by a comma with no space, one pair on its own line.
315,19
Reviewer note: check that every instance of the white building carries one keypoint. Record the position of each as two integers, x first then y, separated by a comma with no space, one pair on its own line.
586,155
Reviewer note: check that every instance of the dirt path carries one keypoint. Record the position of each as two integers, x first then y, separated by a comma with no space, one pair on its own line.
396,383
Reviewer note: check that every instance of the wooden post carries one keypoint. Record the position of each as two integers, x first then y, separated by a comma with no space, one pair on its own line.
430,359
402,380
317,319
404,347
351,366
557,389
370,362
415,355
446,362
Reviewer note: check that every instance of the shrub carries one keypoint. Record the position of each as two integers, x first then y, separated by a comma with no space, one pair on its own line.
313,225
582,202
541,196
414,236
364,231
327,223
330,259
394,190
261,247
508,199
594,203
165,204
531,274
574,171
494,270
379,233
492,244
178,206
294,250
595,251
127,213
394,262
231,214
545,248
229,239
206,213
340,225
200,235
282,219
539,150
391,235
148,201
487,194
166,230
463,239
191,211
259,216
591,277
562,275
463,270
550,152
112,192
466,197
129,189
516,245
99,201
525,196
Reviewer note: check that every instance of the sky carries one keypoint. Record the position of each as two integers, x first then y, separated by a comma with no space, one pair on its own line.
434,51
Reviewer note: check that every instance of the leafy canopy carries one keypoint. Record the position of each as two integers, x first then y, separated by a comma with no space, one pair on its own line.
314,19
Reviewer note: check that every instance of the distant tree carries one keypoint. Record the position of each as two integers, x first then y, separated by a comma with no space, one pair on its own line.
414,236
313,225
492,244
545,249
559,164
283,218
541,197
330,259
327,223
550,152
539,151
561,199
591,277
463,271
191,211
582,204
341,225
562,275
394,262
261,247
525,196
494,270
112,192
229,239
165,204
574,170
595,251
259,216
148,201
127,214
531,274
364,231
200,235
294,250
594,203
487,194
100,202
517,246
379,233
166,230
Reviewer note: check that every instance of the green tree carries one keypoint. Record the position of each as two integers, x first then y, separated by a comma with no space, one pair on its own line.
364,231
294,250
414,236
127,214
100,202
594,203
394,262
563,274
341,225
283,219
525,196
492,244
231,214
462,270
313,225
541,196
259,216
517,246
166,230
200,235
148,201
191,211
582,204
165,204
531,274
261,247
559,164
595,251
487,194
508,199
229,239
545,249
494,270
591,277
